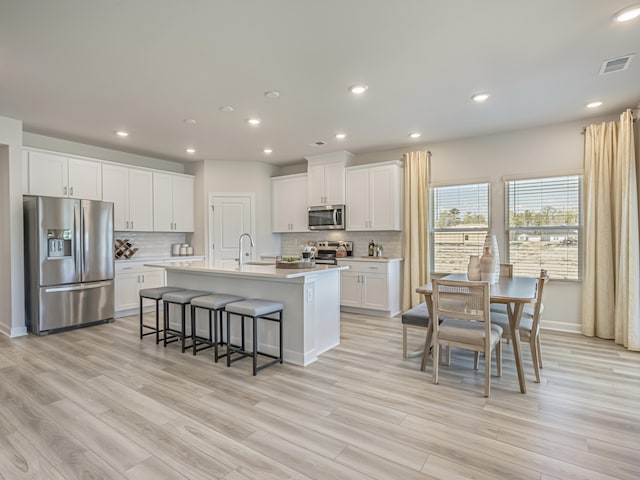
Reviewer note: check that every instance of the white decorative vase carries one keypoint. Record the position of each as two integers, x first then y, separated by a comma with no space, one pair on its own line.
492,242
473,270
488,267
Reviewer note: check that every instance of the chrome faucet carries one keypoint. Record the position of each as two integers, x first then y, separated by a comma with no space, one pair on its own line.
240,249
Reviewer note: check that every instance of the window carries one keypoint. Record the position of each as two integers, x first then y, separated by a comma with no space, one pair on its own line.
459,224
544,226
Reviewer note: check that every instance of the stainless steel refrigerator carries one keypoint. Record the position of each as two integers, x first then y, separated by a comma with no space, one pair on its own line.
69,264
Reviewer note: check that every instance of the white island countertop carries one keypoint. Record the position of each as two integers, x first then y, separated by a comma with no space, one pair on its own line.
248,269
311,299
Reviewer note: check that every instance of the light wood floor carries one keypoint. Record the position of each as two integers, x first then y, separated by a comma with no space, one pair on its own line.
100,403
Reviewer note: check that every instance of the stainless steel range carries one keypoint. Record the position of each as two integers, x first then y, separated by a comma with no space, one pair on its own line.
329,251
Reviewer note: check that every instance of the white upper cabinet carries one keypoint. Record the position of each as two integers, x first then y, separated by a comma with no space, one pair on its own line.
131,191
60,176
289,203
374,197
173,197
325,178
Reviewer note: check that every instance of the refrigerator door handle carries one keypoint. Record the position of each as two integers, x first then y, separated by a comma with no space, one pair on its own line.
78,286
84,247
76,235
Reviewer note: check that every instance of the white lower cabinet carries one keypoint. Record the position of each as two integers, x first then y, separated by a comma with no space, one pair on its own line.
371,286
130,278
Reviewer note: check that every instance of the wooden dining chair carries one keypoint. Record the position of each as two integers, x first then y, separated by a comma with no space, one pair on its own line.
462,319
506,270
529,325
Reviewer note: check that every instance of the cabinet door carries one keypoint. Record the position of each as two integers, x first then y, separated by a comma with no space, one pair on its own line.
47,174
162,202
140,200
384,198
350,289
183,204
151,278
358,199
375,291
126,291
298,217
85,179
280,208
334,183
25,172
115,188
315,185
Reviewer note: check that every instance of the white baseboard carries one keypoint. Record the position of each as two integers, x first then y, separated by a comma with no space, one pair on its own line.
560,326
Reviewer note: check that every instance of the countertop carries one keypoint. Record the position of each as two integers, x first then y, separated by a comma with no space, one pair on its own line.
370,259
181,258
254,271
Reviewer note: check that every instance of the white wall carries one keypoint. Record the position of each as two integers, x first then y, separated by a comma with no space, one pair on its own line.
11,239
241,177
540,151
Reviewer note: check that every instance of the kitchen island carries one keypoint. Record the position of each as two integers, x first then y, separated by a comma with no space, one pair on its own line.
311,298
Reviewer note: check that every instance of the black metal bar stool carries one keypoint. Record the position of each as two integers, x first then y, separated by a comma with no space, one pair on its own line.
213,303
154,294
254,309
181,298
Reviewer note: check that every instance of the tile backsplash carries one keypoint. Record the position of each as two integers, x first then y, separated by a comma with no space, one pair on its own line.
290,243
150,244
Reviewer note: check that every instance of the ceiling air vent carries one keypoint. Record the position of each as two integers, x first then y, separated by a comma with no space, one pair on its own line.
319,143
615,64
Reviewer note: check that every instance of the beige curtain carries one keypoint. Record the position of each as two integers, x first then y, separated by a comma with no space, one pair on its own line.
611,302
416,228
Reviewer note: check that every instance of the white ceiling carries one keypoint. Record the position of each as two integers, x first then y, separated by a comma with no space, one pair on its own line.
83,69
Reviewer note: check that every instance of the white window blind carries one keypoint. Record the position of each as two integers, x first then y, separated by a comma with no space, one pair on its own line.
459,224
544,226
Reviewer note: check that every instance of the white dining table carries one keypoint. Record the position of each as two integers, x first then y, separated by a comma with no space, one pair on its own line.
514,292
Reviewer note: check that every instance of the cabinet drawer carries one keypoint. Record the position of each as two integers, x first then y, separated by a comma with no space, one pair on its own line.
136,267
366,267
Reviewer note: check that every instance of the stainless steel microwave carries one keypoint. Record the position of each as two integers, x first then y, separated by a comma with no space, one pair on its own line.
327,217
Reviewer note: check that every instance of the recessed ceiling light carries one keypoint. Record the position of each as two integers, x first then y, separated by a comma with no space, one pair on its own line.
272,94
341,136
191,150
415,135
358,88
594,104
254,122
480,97
122,133
627,14
226,109
268,151
190,121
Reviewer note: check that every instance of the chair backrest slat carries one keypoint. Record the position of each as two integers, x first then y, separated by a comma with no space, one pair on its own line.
461,299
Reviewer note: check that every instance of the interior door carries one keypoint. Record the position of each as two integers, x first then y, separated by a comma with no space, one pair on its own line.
229,217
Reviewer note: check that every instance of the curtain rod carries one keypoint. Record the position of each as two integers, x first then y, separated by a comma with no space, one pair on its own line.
584,129
404,155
